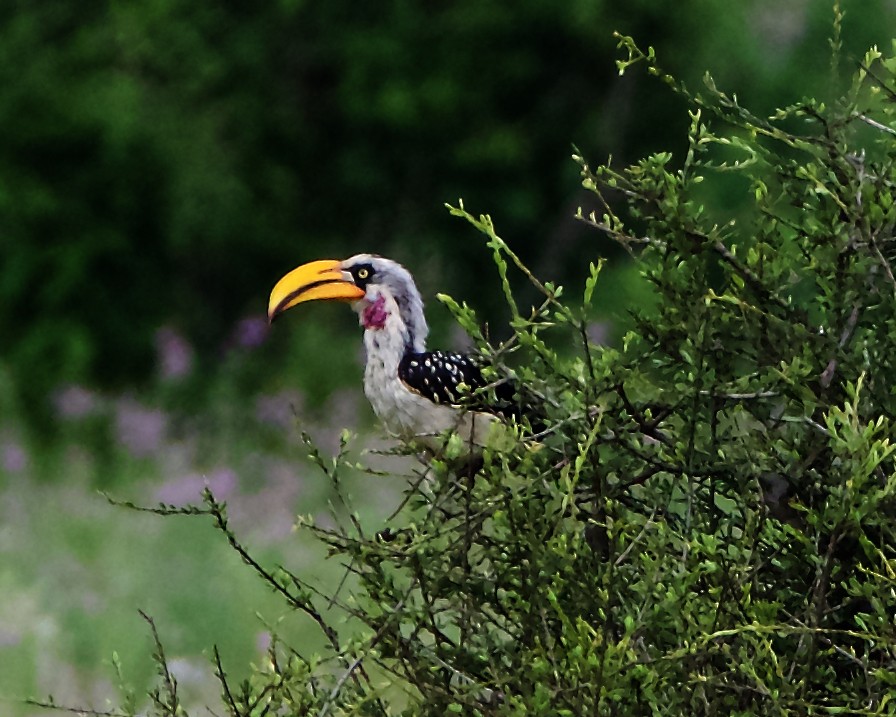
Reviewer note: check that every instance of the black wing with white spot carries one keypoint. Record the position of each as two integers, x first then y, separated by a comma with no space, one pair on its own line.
436,375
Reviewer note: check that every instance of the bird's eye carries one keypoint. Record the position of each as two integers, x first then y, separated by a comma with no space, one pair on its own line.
363,273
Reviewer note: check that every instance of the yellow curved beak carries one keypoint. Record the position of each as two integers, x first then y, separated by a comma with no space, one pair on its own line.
315,280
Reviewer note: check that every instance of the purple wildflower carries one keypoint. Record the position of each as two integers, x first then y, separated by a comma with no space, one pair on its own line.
278,409
9,637
250,332
222,481
598,332
13,457
174,355
270,512
343,408
187,671
140,430
188,489
263,641
74,402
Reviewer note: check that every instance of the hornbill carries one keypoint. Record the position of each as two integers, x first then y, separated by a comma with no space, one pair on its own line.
418,395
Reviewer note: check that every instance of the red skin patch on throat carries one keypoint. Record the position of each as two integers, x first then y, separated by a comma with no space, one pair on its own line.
375,314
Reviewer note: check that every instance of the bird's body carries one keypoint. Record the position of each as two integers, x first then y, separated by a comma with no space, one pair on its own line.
417,394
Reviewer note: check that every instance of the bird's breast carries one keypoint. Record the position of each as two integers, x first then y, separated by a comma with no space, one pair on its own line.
398,408
405,413
410,416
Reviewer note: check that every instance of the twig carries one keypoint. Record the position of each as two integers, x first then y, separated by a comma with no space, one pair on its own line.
222,678
883,261
741,396
217,512
635,541
356,663
221,522
168,680
749,276
828,374
80,711
874,123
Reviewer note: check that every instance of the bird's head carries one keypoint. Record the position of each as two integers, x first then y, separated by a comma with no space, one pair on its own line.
376,287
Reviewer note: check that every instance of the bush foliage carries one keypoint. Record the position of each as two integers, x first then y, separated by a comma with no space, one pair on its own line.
707,525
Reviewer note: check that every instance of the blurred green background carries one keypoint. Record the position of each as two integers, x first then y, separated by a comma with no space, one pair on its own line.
162,163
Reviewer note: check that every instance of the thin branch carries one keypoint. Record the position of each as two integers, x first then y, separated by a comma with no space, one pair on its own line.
217,511
827,375
624,554
80,711
168,680
222,678
749,396
356,663
749,276
874,123
883,261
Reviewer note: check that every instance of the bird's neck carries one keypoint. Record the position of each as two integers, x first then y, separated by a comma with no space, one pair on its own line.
401,319
387,337
374,315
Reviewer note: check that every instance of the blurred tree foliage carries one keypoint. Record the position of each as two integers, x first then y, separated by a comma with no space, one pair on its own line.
165,161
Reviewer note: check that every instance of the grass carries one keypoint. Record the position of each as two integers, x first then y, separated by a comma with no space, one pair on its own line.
76,569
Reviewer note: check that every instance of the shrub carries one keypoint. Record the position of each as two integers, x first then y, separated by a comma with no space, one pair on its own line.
707,524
